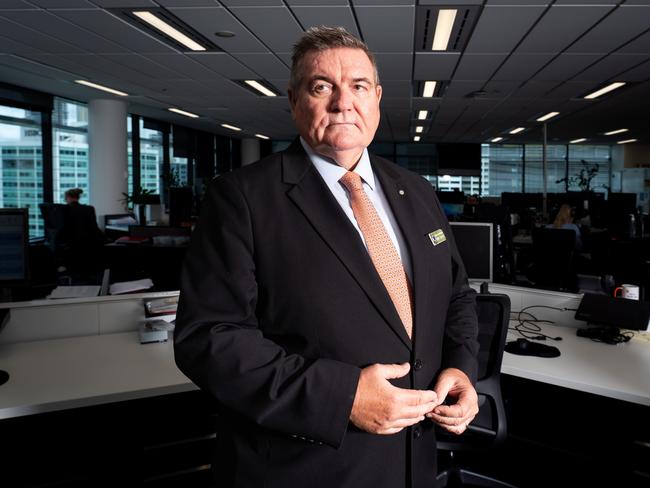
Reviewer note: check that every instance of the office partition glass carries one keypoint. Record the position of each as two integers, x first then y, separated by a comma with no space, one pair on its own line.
501,168
129,153
70,166
21,163
555,168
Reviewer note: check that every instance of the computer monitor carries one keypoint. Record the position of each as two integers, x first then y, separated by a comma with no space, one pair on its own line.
453,210
181,201
475,242
14,242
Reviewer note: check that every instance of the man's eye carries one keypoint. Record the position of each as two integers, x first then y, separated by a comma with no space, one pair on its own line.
321,88
360,87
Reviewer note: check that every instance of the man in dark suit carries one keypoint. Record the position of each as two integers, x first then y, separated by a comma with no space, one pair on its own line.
81,238
323,302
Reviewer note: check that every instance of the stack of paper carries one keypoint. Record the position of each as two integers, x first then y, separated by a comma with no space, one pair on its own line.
74,292
130,286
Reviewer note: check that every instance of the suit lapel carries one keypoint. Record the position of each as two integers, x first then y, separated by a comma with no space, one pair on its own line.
404,210
310,193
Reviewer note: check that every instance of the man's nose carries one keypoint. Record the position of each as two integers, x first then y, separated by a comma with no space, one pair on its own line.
342,100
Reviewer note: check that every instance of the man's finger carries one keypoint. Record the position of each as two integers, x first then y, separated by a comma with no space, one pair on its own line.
455,410
393,371
448,421
414,411
417,397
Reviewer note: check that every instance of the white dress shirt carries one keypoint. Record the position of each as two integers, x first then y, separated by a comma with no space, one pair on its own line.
331,172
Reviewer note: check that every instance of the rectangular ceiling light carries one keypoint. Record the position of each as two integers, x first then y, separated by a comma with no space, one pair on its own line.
497,139
626,141
576,141
261,136
260,88
419,129
444,26
101,87
607,89
549,115
422,114
517,130
617,131
429,88
183,112
231,127
416,139
168,30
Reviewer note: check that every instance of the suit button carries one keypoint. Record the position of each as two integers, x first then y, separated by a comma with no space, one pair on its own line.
417,432
418,365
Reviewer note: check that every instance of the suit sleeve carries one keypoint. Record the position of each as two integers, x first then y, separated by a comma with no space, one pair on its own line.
460,346
220,347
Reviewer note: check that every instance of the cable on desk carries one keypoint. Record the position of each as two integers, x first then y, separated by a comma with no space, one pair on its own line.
529,327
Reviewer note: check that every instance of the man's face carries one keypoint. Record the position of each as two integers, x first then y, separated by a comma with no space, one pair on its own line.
336,106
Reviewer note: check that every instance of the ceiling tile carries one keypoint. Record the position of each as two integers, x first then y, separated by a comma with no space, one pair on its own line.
478,66
47,23
639,73
55,4
610,66
641,45
122,3
434,66
109,26
520,67
35,39
490,34
264,64
207,21
560,26
387,29
224,64
329,15
394,66
617,28
566,66
275,26
396,89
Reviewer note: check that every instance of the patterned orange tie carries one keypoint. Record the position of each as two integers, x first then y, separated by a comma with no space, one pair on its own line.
381,249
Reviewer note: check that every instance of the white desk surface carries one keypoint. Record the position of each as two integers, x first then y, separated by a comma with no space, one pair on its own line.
75,372
617,371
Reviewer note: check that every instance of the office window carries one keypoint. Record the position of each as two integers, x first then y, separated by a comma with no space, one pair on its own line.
470,185
178,166
501,168
129,153
151,158
555,168
591,154
70,165
21,163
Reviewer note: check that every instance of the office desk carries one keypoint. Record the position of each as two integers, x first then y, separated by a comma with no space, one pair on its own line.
62,374
621,371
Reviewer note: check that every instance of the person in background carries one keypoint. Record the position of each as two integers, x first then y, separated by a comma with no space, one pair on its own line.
564,220
81,237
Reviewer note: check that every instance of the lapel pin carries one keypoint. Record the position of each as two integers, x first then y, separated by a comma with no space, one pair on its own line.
401,192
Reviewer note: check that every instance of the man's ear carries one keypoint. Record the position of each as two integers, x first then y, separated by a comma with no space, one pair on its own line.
292,101
379,91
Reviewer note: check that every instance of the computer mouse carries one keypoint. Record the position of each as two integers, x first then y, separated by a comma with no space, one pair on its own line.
524,347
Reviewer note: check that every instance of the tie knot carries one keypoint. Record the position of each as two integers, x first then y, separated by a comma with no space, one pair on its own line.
352,181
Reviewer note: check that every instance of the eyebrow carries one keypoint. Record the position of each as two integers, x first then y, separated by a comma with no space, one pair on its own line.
329,80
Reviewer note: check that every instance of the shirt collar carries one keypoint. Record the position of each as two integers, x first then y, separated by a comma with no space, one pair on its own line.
329,167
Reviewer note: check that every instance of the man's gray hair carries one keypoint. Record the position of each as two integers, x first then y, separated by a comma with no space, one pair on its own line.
320,39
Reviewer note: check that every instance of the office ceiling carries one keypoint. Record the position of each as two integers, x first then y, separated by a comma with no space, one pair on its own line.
519,59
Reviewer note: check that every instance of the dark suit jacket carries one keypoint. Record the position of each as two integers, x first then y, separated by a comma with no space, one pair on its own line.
281,307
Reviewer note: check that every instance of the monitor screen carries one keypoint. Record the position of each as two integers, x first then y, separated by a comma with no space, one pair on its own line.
453,210
14,239
475,245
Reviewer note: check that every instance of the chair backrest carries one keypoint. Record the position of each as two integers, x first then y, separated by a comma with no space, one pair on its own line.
158,230
490,426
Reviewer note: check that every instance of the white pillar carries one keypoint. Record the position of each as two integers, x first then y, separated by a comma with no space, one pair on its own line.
250,151
107,140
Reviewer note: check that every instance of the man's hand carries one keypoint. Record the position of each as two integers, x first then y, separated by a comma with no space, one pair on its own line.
454,418
381,408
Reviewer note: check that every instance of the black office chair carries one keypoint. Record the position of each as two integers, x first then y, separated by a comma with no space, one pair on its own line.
489,429
553,259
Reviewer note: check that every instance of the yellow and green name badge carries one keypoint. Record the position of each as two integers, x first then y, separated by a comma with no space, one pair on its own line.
437,237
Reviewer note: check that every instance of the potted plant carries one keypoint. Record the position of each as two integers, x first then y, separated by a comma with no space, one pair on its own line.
584,178
138,200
